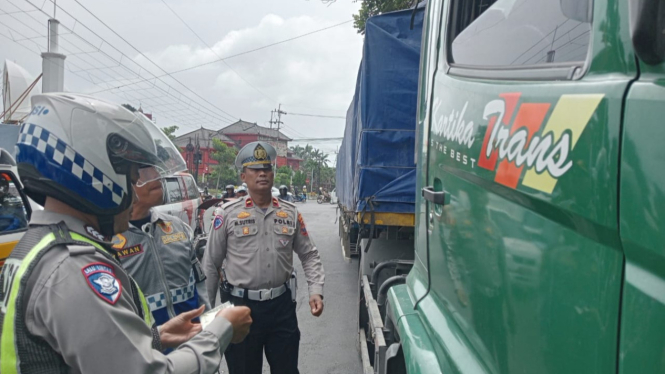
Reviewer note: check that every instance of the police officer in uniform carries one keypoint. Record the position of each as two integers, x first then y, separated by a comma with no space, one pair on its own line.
229,192
257,236
66,303
242,191
284,194
158,252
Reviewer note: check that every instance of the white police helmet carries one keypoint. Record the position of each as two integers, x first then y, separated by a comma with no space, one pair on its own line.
79,149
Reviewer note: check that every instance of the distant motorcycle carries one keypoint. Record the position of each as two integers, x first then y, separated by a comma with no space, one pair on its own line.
323,199
302,198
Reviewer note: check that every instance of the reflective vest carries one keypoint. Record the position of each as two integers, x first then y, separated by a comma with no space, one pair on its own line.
19,350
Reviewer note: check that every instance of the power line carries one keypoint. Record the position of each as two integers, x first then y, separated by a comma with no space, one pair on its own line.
314,115
139,52
216,54
122,95
119,64
147,58
237,54
315,139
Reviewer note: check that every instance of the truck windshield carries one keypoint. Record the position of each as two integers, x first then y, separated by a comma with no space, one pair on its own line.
520,32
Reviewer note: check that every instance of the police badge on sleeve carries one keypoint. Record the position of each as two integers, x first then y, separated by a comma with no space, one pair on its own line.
218,222
101,278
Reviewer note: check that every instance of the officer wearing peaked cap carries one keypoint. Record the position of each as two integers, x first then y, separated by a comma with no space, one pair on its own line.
255,237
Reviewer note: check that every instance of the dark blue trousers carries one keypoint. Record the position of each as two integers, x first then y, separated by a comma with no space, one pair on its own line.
275,330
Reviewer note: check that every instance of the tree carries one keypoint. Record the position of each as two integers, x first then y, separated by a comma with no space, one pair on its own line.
370,8
168,131
222,153
224,172
299,179
283,176
221,177
129,107
327,178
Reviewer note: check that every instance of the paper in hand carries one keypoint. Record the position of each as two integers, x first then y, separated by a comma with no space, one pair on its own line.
208,316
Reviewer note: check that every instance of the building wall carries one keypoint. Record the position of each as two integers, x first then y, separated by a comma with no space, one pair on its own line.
243,139
281,146
294,164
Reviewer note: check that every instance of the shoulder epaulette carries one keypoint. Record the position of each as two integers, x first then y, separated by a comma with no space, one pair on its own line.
76,250
230,203
287,203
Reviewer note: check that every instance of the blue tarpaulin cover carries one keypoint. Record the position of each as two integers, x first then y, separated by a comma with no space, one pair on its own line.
376,158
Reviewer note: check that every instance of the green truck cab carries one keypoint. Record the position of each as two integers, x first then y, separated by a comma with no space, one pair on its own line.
538,241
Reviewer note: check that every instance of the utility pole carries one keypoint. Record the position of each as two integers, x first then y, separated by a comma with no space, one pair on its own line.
197,159
277,122
190,152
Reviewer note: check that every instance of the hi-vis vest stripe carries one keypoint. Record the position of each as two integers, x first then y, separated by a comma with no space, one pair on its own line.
9,364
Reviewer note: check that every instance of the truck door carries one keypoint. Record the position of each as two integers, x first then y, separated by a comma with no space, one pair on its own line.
525,260
642,197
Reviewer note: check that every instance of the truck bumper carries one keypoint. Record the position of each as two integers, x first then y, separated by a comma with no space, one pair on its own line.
417,348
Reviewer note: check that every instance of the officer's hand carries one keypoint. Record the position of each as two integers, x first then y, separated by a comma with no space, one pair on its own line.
240,318
316,303
180,328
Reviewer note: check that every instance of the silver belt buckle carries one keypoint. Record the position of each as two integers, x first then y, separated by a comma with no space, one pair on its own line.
265,295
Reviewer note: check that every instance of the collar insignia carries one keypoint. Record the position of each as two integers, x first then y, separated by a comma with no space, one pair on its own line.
119,241
94,233
167,227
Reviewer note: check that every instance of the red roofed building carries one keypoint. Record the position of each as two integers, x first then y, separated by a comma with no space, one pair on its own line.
243,132
235,135
187,144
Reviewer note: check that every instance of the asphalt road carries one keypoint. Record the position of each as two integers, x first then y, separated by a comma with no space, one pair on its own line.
328,344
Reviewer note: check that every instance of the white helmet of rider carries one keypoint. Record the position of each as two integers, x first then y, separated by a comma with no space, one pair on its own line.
79,149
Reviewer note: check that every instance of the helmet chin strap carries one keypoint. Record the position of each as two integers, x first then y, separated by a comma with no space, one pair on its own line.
106,226
106,222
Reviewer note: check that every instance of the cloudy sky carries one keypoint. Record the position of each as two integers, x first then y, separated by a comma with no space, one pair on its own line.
128,61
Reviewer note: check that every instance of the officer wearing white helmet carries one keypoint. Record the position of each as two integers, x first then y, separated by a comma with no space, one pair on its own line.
253,240
242,191
66,303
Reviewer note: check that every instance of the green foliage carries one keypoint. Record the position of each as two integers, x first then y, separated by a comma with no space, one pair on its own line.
299,179
370,8
168,131
224,173
222,153
129,107
316,166
221,176
284,170
283,176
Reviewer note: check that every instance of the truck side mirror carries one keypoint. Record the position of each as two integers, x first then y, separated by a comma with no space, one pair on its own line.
647,29
578,10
